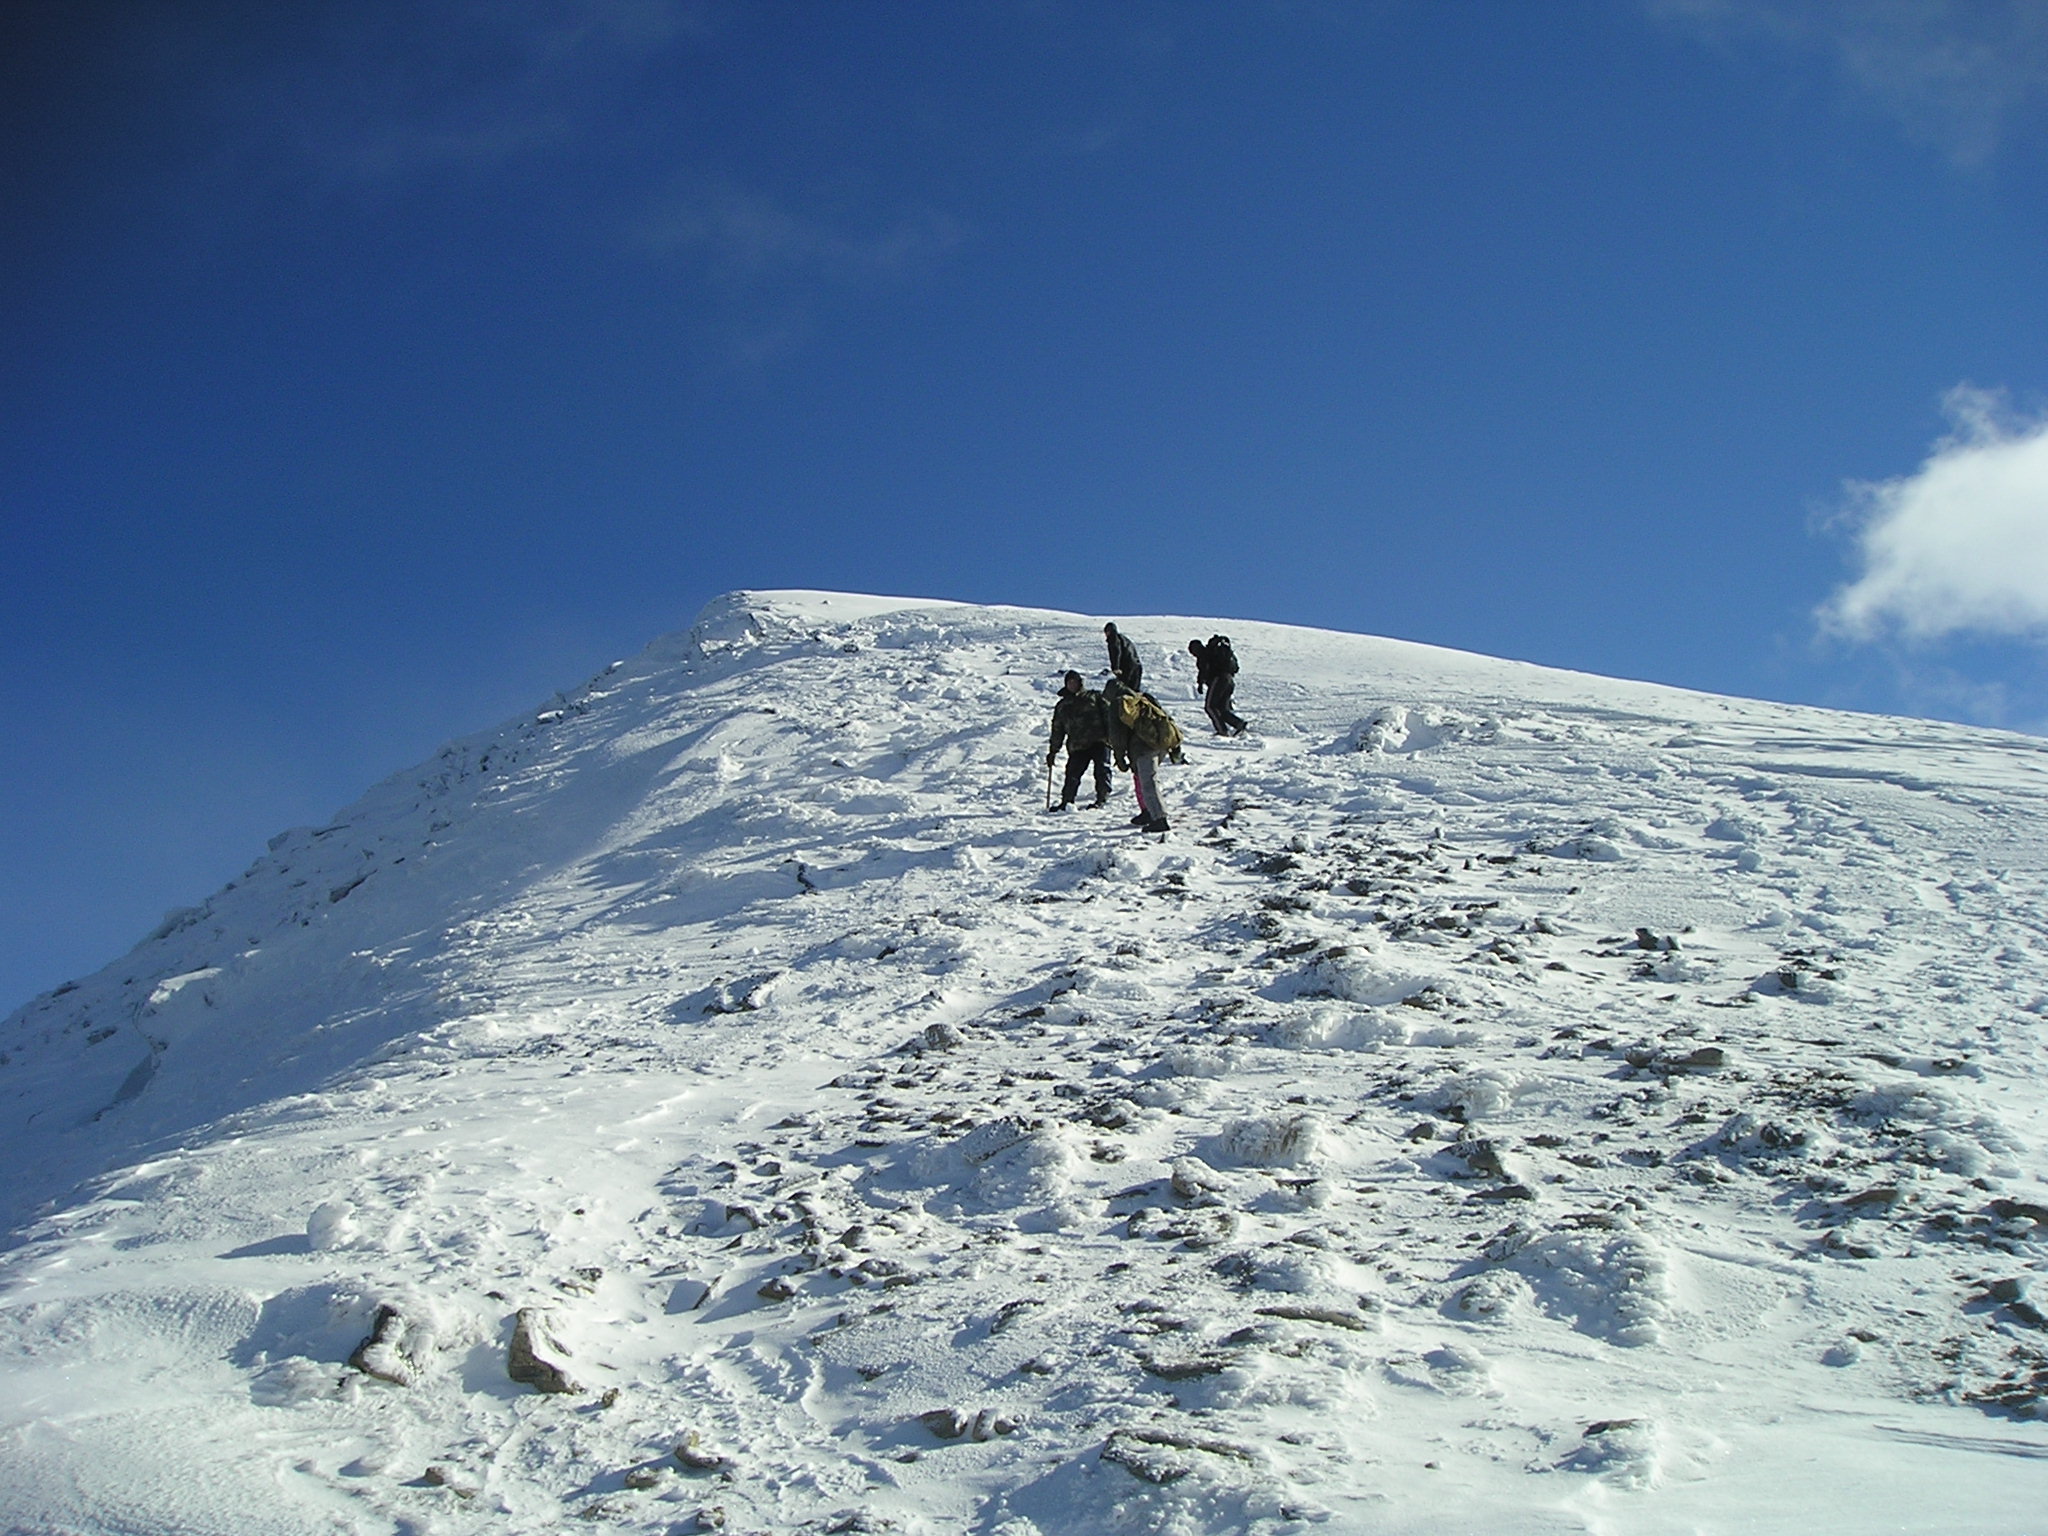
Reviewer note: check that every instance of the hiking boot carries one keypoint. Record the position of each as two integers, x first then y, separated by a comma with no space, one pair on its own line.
1054,810
1098,802
1158,824
1140,819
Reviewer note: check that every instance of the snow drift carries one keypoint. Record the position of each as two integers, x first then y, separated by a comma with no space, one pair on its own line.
1509,1099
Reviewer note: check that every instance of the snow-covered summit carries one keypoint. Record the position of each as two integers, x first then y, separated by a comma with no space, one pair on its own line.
1508,1099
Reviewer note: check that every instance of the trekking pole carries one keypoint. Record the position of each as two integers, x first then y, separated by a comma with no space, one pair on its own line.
1048,784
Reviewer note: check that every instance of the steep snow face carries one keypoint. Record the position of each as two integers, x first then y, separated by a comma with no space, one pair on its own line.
1506,1100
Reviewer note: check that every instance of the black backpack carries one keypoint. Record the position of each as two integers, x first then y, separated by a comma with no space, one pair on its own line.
1221,658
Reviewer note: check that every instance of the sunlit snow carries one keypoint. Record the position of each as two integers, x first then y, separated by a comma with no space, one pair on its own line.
1507,1100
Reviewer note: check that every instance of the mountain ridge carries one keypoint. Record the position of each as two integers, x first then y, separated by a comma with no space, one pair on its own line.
729,893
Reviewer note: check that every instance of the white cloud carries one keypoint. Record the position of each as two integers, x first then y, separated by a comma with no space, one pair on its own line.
1961,545
1952,73
751,237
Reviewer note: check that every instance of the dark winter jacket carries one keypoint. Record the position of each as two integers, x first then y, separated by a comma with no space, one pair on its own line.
1080,720
1123,658
1213,662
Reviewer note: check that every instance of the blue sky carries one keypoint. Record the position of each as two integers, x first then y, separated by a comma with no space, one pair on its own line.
371,370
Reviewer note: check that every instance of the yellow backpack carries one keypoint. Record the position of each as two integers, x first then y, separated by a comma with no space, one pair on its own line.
1152,729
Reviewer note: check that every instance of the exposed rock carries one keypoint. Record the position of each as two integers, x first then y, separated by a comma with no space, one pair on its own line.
938,1036
1648,1058
1481,1156
697,1457
947,1423
457,1483
381,1354
1333,1316
1512,1191
528,1359
1185,1367
1195,1181
1197,1229
688,1295
1161,1456
1012,1312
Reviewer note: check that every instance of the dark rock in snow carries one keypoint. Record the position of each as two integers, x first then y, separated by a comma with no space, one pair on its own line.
947,1423
527,1360
458,1483
695,1456
1481,1156
1185,1367
380,1354
988,1424
1332,1316
1161,1456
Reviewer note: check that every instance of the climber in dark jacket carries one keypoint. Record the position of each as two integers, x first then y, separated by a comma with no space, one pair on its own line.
1081,720
1124,665
1216,682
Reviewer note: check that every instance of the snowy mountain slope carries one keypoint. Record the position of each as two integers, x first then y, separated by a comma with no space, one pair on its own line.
1508,1099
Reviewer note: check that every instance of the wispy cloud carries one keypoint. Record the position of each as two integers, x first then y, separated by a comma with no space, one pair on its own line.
1961,545
748,237
379,94
1953,73
770,263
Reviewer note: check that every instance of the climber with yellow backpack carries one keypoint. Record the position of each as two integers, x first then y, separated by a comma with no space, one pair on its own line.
1140,733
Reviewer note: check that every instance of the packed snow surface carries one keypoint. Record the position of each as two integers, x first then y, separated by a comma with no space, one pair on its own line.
1507,1100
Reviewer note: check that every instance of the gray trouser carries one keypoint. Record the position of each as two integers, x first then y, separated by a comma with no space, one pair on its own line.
1142,780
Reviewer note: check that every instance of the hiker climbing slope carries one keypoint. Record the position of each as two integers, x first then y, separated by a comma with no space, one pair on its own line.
1216,682
1081,721
1124,665
1140,733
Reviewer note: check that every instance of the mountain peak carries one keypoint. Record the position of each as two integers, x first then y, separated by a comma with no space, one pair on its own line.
1503,1091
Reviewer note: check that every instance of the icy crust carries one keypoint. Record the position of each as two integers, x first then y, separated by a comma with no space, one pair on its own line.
1509,1100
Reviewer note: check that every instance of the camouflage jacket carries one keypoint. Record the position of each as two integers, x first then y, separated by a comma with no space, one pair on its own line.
1081,720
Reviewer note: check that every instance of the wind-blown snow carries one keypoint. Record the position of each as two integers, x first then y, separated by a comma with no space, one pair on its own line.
1507,1100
